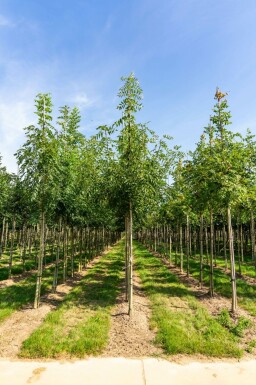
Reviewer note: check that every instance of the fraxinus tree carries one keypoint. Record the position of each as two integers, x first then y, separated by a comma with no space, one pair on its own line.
38,168
140,168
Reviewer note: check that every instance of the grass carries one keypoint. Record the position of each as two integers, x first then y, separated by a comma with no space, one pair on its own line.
246,293
14,297
183,325
17,264
80,325
235,328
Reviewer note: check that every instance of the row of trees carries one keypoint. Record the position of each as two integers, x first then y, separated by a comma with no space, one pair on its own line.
118,180
66,180
213,189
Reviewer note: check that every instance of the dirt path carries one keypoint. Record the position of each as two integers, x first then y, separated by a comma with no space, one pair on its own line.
131,337
18,327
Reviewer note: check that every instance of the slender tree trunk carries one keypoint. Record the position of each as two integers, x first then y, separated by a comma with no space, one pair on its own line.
253,238
11,249
176,246
130,294
201,248
225,246
72,252
2,237
56,269
242,242
181,250
187,245
232,261
170,245
6,234
40,260
206,245
80,249
239,250
24,247
126,256
65,251
211,253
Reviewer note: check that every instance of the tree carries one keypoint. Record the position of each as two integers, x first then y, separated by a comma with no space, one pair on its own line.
38,168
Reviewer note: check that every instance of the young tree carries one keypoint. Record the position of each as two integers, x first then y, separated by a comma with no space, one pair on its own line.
140,167
38,168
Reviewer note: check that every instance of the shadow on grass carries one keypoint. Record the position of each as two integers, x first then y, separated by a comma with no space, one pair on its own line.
99,287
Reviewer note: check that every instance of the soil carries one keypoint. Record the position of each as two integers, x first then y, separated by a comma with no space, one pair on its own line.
132,337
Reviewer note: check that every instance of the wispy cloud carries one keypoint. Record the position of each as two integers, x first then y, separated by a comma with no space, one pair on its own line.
14,117
82,100
5,22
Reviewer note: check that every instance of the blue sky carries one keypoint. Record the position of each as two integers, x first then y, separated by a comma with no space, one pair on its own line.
180,50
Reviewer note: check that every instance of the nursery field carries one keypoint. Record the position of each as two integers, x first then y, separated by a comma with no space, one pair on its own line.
88,315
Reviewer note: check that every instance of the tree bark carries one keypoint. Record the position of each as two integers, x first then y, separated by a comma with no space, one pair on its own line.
211,253
232,262
40,261
201,248
130,294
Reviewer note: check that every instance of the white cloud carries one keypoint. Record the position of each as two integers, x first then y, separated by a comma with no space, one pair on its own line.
4,22
81,100
14,116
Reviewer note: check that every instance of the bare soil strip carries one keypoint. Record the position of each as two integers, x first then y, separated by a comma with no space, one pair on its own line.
18,327
132,337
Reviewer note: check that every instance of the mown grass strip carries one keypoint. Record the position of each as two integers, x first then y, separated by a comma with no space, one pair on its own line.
247,266
17,265
80,325
14,297
183,325
246,293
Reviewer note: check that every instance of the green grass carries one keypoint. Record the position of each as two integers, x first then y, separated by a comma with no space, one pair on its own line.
237,328
183,325
80,325
17,264
14,297
247,266
246,293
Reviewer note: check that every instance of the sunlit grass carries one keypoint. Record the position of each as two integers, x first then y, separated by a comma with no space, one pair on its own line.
80,325
183,325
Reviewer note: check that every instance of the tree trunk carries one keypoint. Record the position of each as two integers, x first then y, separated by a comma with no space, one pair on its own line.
170,246
56,269
225,246
65,245
253,238
181,250
242,243
206,245
130,294
2,237
211,254
40,261
201,248
24,247
126,256
11,249
187,245
232,262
